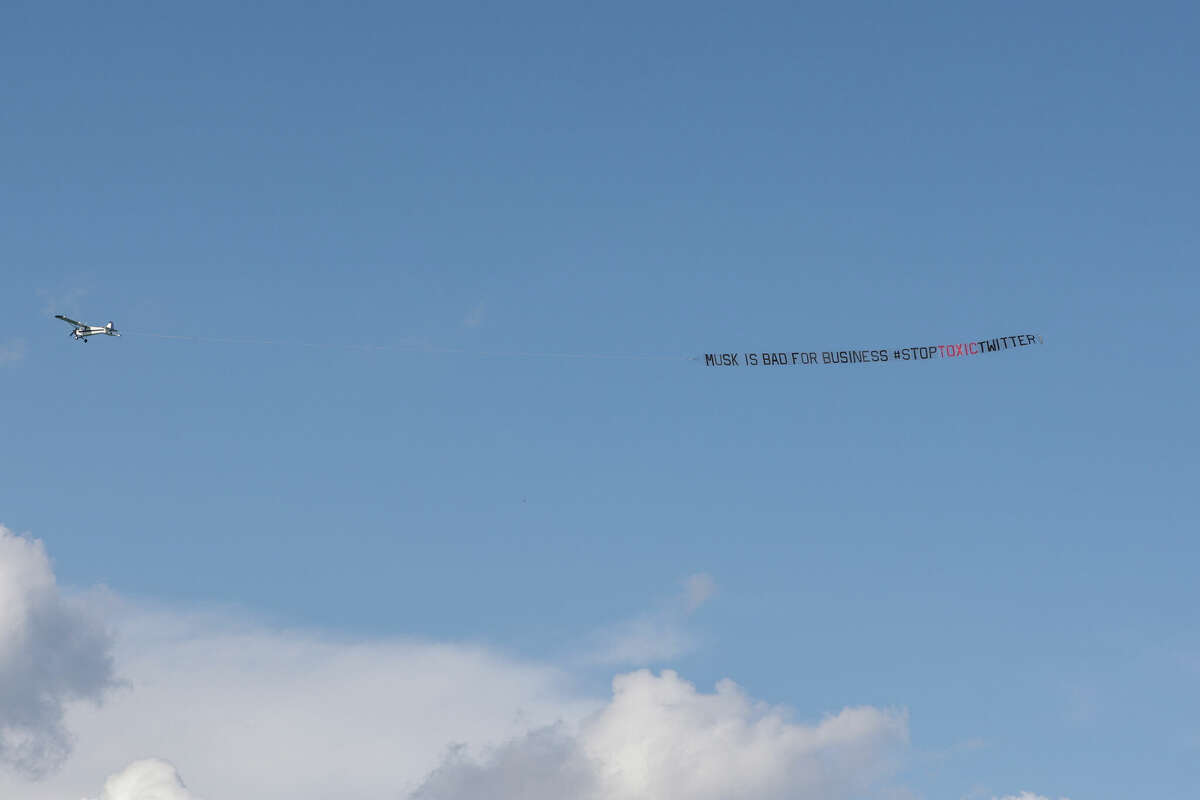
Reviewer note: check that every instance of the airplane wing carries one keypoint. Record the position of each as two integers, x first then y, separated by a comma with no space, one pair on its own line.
68,319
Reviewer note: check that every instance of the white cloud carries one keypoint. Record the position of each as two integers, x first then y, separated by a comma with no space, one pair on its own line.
661,739
248,711
658,636
1024,796
148,779
51,652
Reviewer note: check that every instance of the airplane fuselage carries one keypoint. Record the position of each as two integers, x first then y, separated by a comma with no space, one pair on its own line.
84,331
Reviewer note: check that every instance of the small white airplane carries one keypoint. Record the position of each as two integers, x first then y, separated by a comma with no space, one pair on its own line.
83,330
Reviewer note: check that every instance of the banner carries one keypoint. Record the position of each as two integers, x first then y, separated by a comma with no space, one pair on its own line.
796,358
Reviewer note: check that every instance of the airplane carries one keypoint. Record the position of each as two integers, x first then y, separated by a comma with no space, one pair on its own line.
82,330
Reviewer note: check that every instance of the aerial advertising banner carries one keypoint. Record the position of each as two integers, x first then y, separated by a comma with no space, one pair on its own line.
781,358
795,358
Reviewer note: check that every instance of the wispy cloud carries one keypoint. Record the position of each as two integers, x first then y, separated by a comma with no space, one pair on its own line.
697,589
65,301
475,317
656,636
1083,704
12,351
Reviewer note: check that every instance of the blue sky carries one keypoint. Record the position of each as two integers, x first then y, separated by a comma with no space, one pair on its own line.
1004,546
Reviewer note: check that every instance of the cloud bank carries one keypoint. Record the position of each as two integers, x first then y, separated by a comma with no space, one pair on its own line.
248,711
51,652
251,711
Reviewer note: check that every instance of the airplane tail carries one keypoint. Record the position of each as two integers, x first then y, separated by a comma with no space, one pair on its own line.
110,330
